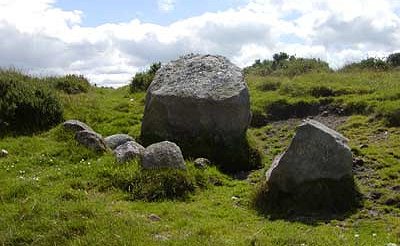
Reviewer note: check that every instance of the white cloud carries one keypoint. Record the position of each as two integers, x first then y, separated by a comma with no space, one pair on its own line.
166,5
37,36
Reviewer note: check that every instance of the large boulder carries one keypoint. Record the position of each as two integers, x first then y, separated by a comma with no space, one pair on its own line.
163,155
116,140
314,173
91,140
76,126
129,151
201,102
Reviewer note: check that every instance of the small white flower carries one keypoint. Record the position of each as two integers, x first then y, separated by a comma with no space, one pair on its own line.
21,177
374,234
357,235
391,244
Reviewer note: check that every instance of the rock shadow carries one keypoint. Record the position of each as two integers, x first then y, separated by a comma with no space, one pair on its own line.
310,203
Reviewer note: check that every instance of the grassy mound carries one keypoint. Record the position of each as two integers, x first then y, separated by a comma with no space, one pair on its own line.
157,185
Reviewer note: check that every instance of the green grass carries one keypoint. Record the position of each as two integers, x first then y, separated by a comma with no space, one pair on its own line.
54,192
367,92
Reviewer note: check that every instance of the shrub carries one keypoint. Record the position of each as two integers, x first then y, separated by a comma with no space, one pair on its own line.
142,80
72,84
393,59
26,104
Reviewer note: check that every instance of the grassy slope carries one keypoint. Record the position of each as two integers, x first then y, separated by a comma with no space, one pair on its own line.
54,192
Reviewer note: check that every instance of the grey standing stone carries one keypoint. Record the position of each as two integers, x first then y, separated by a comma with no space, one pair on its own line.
163,155
202,103
129,151
315,153
76,126
91,140
116,140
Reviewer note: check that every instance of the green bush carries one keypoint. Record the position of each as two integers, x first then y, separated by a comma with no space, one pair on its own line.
142,80
283,64
72,84
26,104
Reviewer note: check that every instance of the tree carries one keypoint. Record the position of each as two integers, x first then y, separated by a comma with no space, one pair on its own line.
393,59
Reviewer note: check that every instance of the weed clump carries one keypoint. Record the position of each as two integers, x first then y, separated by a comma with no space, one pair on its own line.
158,184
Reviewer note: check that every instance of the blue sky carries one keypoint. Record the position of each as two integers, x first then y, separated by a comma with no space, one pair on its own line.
97,12
109,41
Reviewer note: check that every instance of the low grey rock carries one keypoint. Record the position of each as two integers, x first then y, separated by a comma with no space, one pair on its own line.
163,155
116,140
315,153
201,163
3,153
129,151
91,140
76,126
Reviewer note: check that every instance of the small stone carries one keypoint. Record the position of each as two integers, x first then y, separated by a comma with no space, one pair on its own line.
201,163
163,155
154,217
3,153
129,151
76,126
116,140
91,140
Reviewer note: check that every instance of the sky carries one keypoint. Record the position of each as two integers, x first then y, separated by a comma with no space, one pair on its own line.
108,41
